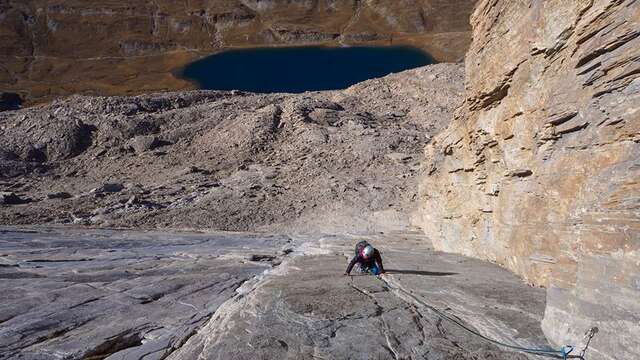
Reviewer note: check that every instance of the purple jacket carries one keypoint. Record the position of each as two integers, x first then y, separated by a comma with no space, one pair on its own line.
367,263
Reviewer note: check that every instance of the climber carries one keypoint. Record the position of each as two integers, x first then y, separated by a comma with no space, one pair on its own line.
369,259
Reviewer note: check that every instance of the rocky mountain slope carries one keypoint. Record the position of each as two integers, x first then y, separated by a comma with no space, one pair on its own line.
540,170
336,161
53,48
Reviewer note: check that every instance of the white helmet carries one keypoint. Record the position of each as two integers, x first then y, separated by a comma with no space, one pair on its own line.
367,252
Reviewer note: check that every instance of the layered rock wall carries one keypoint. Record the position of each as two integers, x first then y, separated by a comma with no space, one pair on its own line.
540,170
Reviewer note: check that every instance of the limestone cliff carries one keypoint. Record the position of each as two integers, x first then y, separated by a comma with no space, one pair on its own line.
540,170
53,48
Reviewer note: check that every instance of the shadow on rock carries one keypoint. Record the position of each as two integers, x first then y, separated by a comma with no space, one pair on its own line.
418,272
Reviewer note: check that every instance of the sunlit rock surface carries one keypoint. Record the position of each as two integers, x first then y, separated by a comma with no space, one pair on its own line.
539,172
79,294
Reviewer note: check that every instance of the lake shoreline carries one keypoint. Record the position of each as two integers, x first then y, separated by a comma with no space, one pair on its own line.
52,77
300,69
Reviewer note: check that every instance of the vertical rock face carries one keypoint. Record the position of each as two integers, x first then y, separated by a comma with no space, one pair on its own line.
540,170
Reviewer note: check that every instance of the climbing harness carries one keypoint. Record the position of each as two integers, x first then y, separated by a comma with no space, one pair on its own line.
563,353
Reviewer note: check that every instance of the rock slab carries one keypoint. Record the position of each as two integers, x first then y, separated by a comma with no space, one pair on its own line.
87,294
118,295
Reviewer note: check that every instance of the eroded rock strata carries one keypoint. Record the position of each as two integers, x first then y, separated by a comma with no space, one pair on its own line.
53,48
539,171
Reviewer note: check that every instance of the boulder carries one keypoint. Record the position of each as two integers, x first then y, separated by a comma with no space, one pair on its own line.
9,198
191,170
8,155
132,201
58,195
140,144
107,188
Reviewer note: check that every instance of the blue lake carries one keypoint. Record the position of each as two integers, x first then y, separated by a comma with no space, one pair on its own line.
299,69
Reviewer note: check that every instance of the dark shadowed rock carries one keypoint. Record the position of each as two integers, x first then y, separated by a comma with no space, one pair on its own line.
9,101
58,195
8,155
9,198
108,188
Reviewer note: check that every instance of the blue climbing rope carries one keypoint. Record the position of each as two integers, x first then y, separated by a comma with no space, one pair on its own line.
563,353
